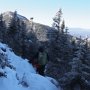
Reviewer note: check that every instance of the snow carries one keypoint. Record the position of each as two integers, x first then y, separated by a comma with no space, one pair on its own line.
24,76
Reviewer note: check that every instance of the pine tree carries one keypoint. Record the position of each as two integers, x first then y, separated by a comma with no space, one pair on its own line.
23,39
13,30
13,25
57,20
2,29
79,73
62,26
31,22
59,51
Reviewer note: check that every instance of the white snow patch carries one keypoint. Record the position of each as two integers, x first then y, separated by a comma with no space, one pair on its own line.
24,76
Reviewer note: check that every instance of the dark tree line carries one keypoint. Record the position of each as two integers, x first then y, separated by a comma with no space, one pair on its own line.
2,29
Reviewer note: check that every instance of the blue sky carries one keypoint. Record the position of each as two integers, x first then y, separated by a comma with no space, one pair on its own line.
75,12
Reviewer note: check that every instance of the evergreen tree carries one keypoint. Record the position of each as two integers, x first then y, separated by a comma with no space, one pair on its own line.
23,39
13,30
66,30
13,25
60,52
2,29
62,26
31,22
57,20
79,73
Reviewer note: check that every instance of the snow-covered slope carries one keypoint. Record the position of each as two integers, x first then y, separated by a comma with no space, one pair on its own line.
23,76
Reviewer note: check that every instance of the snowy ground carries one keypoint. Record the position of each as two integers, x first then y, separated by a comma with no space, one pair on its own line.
24,76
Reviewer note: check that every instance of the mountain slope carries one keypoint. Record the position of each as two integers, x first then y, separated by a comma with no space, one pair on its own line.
23,76
41,31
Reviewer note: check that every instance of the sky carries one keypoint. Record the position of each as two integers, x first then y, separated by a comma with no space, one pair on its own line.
76,13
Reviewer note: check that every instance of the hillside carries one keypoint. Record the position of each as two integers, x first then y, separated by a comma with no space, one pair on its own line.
41,30
40,34
22,75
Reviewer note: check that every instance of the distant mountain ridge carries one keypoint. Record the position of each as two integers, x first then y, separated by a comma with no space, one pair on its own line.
79,32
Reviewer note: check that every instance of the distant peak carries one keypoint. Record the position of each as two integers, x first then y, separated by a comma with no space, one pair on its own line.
8,12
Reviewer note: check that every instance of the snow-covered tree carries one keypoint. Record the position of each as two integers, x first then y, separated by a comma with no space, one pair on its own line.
13,24
57,20
62,26
79,72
